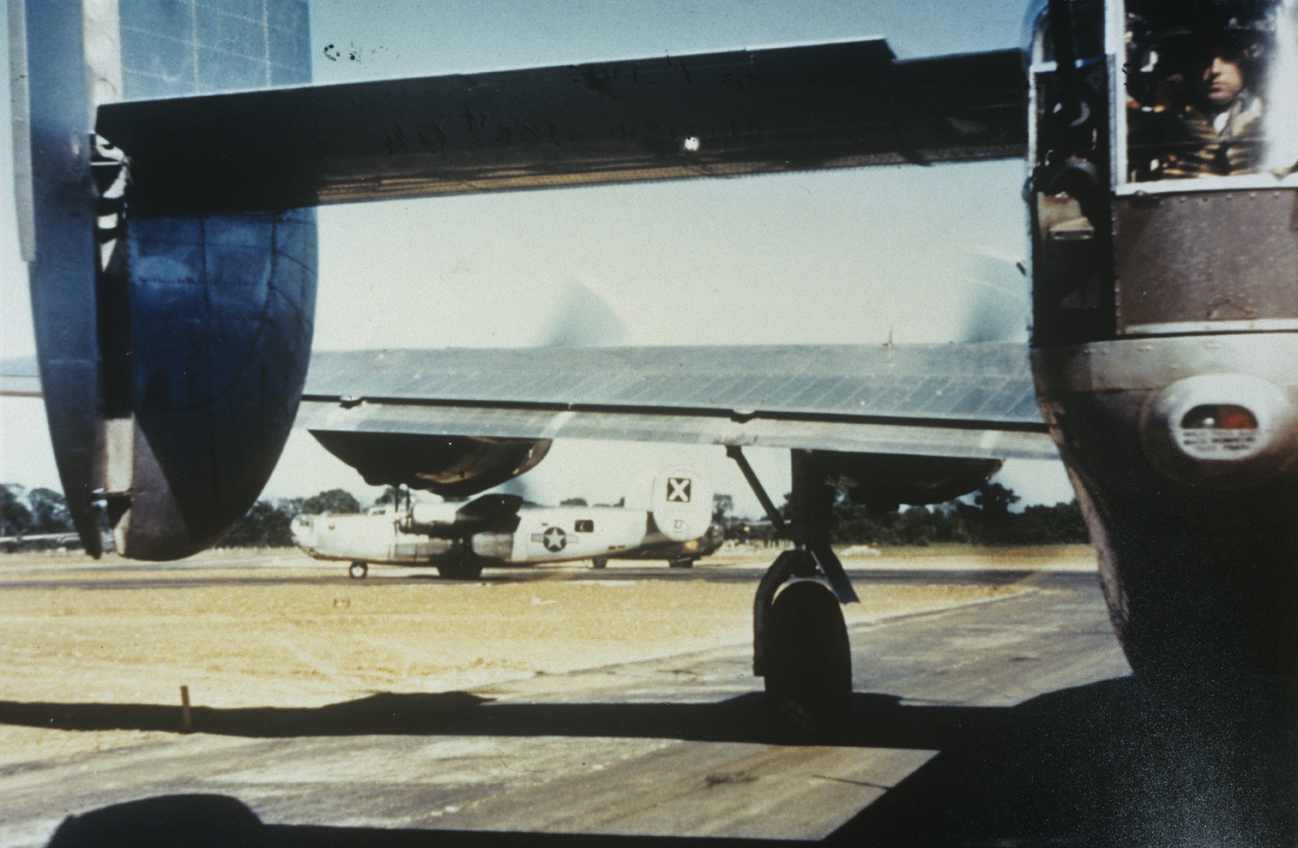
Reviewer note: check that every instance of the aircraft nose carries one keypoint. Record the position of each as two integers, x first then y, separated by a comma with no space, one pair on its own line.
1225,430
303,530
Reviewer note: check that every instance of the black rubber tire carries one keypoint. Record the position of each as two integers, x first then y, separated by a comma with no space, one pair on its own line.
468,566
680,562
808,666
358,570
599,562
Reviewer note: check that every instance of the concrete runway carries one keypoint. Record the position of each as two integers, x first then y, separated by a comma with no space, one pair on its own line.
1008,723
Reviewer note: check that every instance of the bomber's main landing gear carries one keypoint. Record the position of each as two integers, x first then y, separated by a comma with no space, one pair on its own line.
800,643
358,570
460,564
808,665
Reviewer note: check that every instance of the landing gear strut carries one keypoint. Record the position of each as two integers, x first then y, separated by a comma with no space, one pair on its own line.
461,563
800,643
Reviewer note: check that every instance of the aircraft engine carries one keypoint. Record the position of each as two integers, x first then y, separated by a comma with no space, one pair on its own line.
450,466
488,514
882,482
428,518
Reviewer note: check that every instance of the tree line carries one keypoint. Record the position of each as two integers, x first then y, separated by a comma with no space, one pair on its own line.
34,512
267,525
988,520
41,512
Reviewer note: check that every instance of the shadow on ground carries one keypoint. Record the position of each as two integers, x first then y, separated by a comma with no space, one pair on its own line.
883,721
1096,766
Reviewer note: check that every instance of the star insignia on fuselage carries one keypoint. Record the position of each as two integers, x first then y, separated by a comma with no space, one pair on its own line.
554,539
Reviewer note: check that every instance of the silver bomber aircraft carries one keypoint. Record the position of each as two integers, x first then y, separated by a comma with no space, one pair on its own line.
459,540
171,240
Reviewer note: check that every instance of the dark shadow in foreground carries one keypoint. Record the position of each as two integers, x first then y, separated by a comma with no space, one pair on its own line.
1098,766
881,724
1092,767
217,821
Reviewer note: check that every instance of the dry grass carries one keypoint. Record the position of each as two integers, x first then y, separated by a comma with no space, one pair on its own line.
229,629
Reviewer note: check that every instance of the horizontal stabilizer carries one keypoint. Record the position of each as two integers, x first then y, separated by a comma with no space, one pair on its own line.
742,112
971,400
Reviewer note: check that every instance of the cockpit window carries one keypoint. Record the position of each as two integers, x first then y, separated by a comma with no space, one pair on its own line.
1212,88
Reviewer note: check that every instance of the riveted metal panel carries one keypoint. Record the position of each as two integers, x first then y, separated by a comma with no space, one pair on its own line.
1207,261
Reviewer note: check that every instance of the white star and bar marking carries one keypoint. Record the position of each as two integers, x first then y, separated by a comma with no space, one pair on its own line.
554,539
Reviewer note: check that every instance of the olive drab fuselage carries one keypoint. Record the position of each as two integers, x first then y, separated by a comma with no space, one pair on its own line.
1164,229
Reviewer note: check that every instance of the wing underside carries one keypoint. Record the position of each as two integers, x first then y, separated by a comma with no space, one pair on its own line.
740,112
973,400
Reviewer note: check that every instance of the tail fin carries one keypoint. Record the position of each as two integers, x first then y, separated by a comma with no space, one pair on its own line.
681,504
172,346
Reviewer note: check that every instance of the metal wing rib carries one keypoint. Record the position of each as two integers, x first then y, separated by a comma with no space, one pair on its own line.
973,400
744,112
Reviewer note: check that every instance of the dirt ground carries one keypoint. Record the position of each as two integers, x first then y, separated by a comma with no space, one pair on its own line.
225,625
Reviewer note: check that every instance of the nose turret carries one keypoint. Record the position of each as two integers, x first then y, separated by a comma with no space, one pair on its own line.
303,530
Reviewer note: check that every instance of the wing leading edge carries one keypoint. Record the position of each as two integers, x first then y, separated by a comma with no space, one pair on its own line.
794,108
971,400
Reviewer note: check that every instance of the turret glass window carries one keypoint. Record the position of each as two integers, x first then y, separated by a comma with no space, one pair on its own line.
1212,88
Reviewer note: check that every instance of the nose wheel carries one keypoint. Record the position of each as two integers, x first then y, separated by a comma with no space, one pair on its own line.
358,570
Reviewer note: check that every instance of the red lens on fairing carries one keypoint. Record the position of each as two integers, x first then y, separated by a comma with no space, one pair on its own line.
1219,416
1237,418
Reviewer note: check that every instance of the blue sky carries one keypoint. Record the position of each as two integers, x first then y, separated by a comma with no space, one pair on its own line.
835,257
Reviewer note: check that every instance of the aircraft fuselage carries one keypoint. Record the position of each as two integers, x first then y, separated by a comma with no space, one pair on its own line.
542,534
1164,259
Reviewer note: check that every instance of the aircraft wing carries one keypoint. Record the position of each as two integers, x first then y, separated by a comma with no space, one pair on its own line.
20,378
180,404
790,108
954,400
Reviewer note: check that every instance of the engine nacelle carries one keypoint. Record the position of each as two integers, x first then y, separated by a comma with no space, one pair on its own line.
882,482
428,518
450,466
488,514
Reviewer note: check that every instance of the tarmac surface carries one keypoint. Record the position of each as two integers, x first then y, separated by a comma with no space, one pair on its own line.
1005,721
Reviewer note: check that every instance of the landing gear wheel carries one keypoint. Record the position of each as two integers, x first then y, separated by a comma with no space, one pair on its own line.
808,666
599,562
467,566
358,570
680,562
